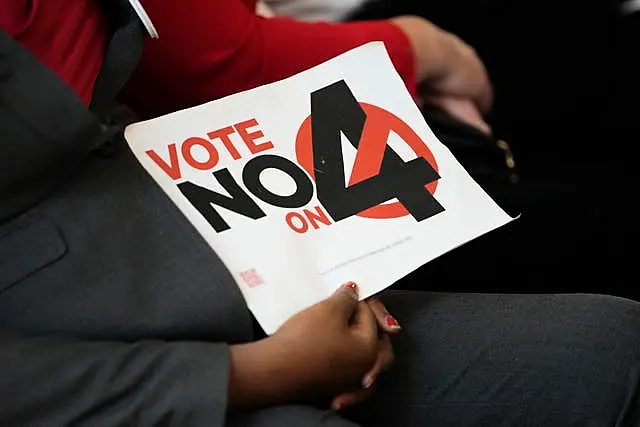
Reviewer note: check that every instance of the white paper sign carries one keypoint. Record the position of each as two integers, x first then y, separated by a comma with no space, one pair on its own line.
273,181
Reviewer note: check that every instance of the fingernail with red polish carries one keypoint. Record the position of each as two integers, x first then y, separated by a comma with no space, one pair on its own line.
392,322
352,286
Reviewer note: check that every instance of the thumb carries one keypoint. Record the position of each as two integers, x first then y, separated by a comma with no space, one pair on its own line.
344,301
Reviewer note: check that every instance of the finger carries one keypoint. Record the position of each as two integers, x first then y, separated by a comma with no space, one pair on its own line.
384,360
364,321
475,120
462,109
483,88
386,321
344,301
345,400
485,99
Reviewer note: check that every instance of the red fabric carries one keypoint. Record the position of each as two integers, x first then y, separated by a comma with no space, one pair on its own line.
207,48
67,35
221,47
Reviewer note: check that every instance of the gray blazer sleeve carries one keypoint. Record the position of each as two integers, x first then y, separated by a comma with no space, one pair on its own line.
59,382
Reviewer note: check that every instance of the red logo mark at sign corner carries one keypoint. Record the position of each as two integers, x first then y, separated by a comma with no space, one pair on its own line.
373,141
251,278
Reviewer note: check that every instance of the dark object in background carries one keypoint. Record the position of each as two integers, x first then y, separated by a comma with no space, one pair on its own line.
552,63
488,160
567,101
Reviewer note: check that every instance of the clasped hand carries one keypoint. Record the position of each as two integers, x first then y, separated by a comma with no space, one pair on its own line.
346,340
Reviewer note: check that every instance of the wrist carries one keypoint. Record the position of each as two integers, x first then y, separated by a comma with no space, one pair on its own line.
261,375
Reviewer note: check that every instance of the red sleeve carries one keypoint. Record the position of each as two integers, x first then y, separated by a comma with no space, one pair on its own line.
69,37
212,48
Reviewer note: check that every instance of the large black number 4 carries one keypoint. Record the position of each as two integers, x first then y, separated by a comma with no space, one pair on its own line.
334,109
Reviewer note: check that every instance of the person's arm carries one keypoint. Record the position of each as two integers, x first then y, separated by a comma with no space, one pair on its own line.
60,382
210,49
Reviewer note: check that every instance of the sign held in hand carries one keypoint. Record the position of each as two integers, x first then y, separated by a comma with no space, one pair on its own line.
329,176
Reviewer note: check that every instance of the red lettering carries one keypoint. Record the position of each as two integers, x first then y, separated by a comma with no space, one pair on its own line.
318,216
299,222
249,137
173,167
303,225
211,150
223,135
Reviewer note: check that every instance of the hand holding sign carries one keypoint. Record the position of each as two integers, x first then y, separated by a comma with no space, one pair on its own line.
387,325
323,351
328,176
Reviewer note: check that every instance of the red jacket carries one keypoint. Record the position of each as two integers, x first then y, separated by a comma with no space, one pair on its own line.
207,48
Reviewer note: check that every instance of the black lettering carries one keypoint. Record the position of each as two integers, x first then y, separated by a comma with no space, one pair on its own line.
251,178
203,200
334,109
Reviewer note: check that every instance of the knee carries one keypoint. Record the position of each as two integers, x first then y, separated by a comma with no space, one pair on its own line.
608,309
601,325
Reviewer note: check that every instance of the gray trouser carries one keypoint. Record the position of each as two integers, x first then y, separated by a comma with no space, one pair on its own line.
497,360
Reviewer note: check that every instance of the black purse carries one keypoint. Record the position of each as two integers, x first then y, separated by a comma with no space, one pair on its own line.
488,160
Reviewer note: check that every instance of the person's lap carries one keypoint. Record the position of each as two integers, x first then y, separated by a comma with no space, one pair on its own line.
516,360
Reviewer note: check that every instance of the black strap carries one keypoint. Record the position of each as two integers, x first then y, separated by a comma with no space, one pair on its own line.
46,131
123,54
